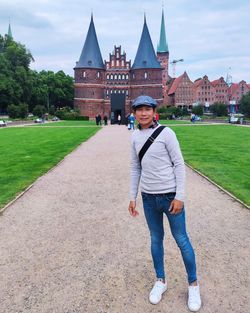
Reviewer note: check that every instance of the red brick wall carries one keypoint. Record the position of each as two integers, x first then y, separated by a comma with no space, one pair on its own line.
150,85
90,107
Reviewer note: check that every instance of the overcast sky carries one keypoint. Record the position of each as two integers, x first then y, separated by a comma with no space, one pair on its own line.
211,36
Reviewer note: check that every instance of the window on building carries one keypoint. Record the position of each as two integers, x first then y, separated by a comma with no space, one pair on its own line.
145,75
115,76
83,74
98,75
119,76
107,76
127,76
111,77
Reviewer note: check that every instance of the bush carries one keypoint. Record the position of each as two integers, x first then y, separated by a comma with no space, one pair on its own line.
162,109
12,111
62,112
184,112
197,110
164,116
67,114
23,110
219,109
167,112
39,110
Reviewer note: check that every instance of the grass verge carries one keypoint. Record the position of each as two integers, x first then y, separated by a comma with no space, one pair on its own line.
27,153
221,153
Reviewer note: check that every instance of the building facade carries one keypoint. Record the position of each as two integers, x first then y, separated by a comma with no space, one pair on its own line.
108,87
221,90
181,92
235,93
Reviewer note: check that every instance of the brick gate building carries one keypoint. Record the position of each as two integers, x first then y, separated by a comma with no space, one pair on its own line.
108,87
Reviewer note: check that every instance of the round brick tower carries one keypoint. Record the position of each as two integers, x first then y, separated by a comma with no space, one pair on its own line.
90,77
146,72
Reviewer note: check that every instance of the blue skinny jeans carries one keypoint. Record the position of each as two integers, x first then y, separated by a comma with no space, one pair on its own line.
154,207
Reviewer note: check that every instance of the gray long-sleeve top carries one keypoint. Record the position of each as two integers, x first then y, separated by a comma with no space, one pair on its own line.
163,168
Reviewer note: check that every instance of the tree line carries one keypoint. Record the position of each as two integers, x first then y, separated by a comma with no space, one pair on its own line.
24,90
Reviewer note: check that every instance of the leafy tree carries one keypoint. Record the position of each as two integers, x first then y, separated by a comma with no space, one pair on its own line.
14,72
245,104
52,90
19,84
52,110
219,109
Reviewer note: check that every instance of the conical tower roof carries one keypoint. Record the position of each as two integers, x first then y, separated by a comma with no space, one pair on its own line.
162,46
10,32
91,55
145,56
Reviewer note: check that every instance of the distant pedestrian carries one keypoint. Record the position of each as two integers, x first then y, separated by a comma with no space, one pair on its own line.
132,121
192,117
119,118
99,119
105,120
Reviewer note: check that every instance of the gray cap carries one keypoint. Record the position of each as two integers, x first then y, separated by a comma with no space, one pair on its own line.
144,100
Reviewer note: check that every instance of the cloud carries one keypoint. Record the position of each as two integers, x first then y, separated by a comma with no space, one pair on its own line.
210,36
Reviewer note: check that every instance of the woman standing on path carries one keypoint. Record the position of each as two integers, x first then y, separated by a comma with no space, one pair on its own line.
161,174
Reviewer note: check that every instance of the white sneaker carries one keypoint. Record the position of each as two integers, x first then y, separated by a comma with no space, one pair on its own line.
157,291
194,298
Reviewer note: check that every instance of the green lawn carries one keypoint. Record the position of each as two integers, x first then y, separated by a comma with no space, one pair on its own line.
170,122
68,123
220,152
27,153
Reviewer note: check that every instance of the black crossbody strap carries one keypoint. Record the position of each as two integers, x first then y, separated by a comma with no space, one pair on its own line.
149,142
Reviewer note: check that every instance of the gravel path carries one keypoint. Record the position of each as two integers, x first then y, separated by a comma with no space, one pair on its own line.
69,245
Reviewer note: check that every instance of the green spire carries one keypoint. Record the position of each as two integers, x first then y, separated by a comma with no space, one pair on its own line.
10,32
162,46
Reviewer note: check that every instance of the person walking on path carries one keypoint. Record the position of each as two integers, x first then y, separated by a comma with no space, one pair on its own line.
119,118
161,173
105,120
132,121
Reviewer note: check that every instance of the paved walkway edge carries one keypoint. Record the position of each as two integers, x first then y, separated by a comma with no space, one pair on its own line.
30,186
198,172
218,186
